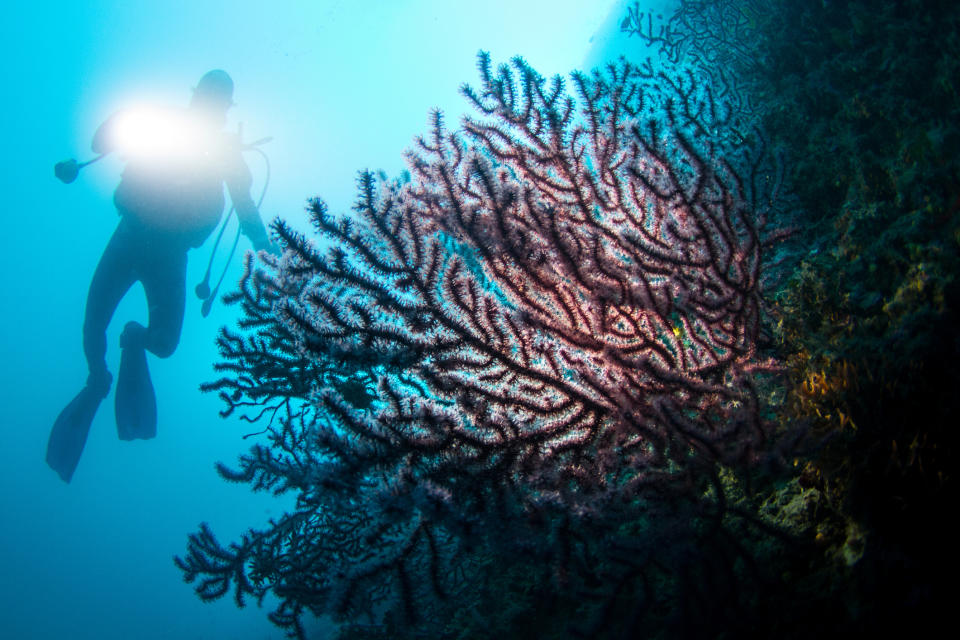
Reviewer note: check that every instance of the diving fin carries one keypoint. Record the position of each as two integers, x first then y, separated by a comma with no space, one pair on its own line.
135,402
69,433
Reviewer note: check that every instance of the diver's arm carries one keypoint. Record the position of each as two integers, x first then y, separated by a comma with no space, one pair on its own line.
250,223
104,140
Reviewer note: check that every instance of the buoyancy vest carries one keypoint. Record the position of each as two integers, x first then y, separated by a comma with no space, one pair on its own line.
177,190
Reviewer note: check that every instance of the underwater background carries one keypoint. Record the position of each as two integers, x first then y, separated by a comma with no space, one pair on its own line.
834,517
340,86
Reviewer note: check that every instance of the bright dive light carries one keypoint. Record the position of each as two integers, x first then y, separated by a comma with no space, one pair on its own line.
159,134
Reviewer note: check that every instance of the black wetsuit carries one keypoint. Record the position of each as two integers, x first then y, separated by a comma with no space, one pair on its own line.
167,206
170,199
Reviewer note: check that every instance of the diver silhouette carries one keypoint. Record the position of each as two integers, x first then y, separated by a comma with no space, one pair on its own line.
170,198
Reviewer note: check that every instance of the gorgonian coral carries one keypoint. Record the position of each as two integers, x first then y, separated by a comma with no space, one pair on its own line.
560,312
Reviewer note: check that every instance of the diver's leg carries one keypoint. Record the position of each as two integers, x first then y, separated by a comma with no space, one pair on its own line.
113,277
164,280
166,298
111,280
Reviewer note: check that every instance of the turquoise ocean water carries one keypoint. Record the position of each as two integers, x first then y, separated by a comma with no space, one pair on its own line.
340,86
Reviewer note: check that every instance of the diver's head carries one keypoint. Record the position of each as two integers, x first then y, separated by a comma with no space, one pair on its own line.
213,95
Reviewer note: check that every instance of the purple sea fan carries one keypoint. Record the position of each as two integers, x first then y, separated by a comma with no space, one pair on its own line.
561,309
624,244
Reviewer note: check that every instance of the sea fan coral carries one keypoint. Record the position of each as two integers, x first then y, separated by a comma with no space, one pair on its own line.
561,312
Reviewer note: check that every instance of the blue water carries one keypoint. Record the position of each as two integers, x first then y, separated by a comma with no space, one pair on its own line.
341,86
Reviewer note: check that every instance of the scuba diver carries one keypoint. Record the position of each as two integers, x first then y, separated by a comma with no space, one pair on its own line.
170,198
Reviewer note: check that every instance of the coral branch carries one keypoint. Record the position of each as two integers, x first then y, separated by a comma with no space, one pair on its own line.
549,329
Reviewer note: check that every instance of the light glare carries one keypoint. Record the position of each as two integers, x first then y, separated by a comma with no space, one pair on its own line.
155,133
